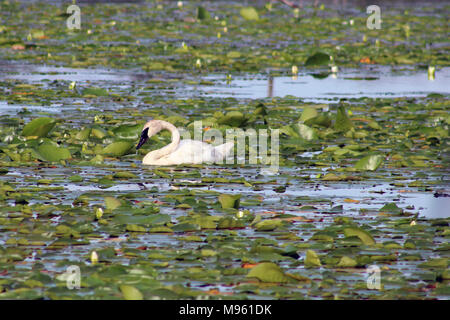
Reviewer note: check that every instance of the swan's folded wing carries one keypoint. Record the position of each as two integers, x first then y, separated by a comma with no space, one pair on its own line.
223,150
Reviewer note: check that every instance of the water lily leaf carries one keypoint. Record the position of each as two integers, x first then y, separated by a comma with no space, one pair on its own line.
99,92
131,293
312,259
135,228
308,113
112,203
268,225
363,235
229,201
268,272
151,219
161,229
118,149
249,13
370,163
306,132
39,127
98,132
233,119
347,262
124,175
48,152
343,122
234,54
391,207
202,13
127,132
317,59
229,223
323,120
83,134
435,263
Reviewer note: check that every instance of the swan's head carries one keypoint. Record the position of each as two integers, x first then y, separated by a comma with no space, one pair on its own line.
150,128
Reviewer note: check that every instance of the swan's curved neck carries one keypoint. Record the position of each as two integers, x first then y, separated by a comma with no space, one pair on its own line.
163,125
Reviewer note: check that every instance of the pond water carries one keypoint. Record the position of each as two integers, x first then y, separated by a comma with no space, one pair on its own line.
359,200
373,82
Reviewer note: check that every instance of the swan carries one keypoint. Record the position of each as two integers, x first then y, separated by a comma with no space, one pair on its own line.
186,151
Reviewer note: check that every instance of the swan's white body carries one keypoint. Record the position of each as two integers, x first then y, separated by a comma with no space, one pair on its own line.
181,152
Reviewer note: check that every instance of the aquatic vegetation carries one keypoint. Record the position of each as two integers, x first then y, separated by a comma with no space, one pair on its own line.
361,181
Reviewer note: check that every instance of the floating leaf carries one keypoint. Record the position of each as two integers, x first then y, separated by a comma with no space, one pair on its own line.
268,225
391,207
435,263
363,235
127,132
370,163
99,92
308,113
317,59
83,134
306,132
347,262
343,122
39,127
268,272
112,203
48,152
229,201
249,13
233,119
312,259
202,13
131,293
118,149
124,175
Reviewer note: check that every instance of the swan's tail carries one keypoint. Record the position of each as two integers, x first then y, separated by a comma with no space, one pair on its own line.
223,150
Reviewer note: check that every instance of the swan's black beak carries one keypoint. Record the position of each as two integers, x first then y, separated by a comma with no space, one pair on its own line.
144,138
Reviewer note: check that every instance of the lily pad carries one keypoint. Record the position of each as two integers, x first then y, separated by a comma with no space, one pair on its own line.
249,13
312,259
118,149
48,152
39,127
370,163
363,235
318,59
268,272
229,201
131,293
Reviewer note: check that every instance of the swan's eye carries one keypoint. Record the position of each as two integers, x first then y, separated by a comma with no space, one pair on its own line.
144,138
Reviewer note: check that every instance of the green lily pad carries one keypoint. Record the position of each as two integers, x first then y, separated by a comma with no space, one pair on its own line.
312,259
347,262
112,203
39,127
131,293
308,113
48,152
370,163
363,235
99,92
118,149
268,225
233,119
249,13
343,122
229,201
318,59
306,132
268,272
202,13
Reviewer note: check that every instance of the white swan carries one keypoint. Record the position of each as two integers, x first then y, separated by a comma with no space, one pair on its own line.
178,152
